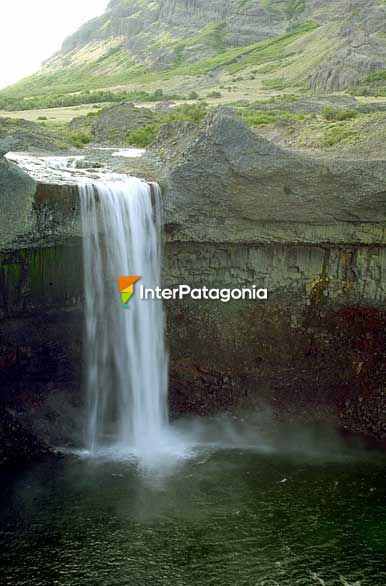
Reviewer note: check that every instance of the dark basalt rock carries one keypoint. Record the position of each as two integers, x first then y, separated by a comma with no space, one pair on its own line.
239,211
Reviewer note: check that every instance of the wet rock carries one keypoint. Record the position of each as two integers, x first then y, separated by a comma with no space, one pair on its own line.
16,443
17,191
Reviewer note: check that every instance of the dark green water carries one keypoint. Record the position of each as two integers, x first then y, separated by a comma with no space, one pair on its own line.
227,518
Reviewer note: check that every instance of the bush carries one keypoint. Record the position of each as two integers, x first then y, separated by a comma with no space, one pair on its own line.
142,137
215,94
193,96
157,95
187,112
338,115
77,139
258,118
335,135
42,118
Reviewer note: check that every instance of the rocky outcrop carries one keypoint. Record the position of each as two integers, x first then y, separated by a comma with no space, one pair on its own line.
358,48
21,135
111,125
240,212
16,443
262,193
242,22
17,192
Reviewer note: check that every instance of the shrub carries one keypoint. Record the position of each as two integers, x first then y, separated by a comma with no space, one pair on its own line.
77,139
335,135
338,115
157,95
142,137
187,112
259,118
215,94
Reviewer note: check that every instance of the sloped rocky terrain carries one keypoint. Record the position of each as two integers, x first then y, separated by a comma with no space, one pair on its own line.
309,44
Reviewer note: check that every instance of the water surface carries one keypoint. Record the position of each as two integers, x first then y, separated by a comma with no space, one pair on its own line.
230,517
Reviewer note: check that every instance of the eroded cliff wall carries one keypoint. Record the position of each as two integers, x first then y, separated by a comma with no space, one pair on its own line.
238,212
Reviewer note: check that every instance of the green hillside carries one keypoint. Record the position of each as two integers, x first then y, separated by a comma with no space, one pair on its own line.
236,48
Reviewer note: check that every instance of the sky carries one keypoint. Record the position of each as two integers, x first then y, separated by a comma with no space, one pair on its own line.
32,30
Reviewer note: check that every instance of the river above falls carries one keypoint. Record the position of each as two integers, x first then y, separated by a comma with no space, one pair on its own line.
92,164
222,517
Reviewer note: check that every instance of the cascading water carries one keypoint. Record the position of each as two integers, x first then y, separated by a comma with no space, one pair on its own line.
125,361
125,356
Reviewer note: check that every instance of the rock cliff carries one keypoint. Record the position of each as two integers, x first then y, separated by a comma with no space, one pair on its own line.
17,191
239,211
261,192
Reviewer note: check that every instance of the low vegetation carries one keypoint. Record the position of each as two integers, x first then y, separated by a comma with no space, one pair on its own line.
255,118
338,115
88,97
142,137
76,139
336,134
373,84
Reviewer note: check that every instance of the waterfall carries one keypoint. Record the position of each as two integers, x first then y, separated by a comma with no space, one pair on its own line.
124,349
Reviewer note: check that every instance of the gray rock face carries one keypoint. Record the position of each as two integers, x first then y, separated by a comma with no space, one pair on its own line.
354,28
258,191
17,192
359,48
243,22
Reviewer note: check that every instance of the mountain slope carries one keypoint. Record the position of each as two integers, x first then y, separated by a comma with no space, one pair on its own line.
195,44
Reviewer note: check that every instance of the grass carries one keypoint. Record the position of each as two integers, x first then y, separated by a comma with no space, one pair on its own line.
234,60
373,84
348,132
53,116
255,118
337,134
184,113
290,7
88,97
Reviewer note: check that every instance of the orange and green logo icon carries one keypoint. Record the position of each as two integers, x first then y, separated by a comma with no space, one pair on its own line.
126,287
